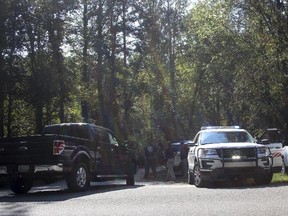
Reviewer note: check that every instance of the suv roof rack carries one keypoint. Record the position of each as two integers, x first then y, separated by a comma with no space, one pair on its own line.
219,127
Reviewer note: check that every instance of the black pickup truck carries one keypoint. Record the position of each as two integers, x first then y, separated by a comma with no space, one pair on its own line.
76,152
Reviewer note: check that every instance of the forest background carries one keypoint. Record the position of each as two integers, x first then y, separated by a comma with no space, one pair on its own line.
150,70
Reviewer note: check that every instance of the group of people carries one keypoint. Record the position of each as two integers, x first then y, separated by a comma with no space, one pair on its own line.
152,157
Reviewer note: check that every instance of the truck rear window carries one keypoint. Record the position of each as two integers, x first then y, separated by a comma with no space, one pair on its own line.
80,131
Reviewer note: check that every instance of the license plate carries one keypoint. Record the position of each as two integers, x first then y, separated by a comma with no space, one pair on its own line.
23,168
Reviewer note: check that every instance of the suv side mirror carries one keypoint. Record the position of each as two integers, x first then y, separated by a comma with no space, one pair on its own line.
191,144
264,141
128,144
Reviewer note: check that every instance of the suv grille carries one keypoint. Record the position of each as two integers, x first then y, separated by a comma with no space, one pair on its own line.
243,152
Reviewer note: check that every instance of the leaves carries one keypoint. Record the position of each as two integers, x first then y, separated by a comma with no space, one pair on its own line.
144,68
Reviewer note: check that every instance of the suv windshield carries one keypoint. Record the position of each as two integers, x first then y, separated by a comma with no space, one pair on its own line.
225,137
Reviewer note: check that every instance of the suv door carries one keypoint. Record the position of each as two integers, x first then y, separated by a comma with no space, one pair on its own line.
192,152
272,138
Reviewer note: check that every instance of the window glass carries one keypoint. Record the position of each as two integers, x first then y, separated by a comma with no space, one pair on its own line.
103,136
113,139
95,134
51,130
272,136
225,137
79,131
196,139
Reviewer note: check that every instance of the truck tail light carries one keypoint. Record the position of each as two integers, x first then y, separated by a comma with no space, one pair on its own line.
58,147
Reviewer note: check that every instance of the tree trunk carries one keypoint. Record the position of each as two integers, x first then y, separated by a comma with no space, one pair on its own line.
85,75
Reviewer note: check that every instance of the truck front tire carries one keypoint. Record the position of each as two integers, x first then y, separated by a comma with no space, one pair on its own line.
79,178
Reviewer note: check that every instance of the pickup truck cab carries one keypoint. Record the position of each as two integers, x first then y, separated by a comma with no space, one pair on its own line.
76,152
227,153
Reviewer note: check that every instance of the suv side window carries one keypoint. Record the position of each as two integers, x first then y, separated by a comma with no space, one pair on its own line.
272,135
112,139
100,135
103,136
196,139
81,131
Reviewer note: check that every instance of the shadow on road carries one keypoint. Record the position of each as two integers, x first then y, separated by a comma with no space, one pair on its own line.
59,192
52,194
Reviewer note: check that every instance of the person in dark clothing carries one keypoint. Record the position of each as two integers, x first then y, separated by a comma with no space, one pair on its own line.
169,154
184,149
150,160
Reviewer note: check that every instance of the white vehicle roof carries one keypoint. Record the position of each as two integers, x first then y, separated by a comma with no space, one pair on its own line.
224,130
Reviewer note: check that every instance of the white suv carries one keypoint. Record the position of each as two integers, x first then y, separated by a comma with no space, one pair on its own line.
177,158
227,153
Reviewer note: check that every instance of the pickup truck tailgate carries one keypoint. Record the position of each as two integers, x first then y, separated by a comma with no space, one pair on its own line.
26,150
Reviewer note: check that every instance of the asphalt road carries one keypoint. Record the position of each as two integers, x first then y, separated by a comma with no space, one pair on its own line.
148,197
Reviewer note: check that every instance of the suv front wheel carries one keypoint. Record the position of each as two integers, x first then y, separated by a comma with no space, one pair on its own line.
197,178
190,178
265,179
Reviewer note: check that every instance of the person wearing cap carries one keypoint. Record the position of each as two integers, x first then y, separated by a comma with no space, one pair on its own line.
150,160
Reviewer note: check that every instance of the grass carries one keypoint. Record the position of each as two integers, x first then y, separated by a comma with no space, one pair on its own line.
279,178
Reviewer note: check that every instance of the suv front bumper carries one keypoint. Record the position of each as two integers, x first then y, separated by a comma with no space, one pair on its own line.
211,170
231,173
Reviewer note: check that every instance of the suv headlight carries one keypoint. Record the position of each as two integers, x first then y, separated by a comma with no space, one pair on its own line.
208,153
263,151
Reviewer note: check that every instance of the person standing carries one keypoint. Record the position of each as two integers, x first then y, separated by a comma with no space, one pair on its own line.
183,156
169,154
150,160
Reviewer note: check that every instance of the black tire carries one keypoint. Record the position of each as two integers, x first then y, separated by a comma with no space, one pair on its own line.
190,178
20,184
263,180
79,178
130,179
197,178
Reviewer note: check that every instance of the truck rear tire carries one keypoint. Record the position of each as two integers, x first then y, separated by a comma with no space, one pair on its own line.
20,184
79,178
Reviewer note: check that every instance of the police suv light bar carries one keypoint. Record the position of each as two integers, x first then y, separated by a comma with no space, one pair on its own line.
219,127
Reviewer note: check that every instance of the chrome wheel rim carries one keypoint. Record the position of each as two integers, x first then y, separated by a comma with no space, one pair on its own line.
197,177
81,177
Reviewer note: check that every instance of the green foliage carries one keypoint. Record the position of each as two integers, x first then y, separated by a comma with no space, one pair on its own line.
279,178
150,70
